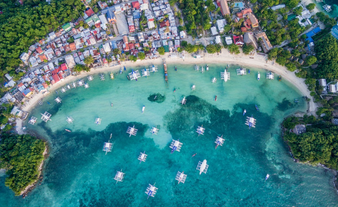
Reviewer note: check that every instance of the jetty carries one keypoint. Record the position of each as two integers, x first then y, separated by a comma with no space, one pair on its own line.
219,141
202,166
70,119
180,177
165,71
270,76
145,72
250,121
134,75
175,145
119,176
107,146
151,190
132,131
32,120
241,71
142,157
200,130
46,116
225,75
154,130
58,100
153,68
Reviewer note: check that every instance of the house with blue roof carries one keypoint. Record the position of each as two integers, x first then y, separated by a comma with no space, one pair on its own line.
334,31
312,33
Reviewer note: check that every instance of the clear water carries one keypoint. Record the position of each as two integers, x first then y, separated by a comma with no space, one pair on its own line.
78,173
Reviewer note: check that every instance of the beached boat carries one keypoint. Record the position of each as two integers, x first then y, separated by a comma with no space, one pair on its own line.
214,80
184,101
154,130
151,190
175,145
200,130
98,121
250,121
219,141
142,157
132,131
225,75
258,76
32,120
90,78
119,176
58,100
202,166
181,177
134,75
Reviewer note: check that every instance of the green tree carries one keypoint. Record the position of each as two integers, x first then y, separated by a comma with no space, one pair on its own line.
141,55
211,49
88,60
311,6
161,50
233,49
310,60
247,49
80,68
116,51
133,58
3,119
298,10
291,67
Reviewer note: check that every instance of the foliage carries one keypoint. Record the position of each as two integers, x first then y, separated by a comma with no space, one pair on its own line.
79,68
291,67
211,49
311,83
298,10
24,25
247,48
161,50
116,51
233,49
327,55
21,156
292,3
133,58
329,22
311,6
290,122
141,55
310,60
3,119
191,48
89,60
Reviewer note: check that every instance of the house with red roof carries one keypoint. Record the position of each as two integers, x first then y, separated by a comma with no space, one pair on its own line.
60,75
45,85
164,24
131,28
55,78
89,12
242,13
136,5
72,46
238,40
64,66
39,50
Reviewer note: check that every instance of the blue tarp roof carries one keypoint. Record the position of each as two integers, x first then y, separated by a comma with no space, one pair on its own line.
310,34
136,14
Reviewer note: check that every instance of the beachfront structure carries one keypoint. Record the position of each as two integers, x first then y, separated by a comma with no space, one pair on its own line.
200,130
70,119
184,101
145,72
46,116
154,130
142,157
151,190
153,69
250,121
58,100
270,76
132,131
175,145
97,121
202,166
180,177
134,75
225,75
90,78
219,141
241,71
119,176
32,120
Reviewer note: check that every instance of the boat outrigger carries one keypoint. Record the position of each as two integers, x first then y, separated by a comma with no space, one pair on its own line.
175,145
132,131
98,121
119,176
219,141
32,120
202,166
180,177
184,101
250,121
58,100
200,130
108,146
154,130
46,116
134,75
142,157
207,68
151,190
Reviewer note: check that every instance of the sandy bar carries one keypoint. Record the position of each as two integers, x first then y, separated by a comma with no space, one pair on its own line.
256,61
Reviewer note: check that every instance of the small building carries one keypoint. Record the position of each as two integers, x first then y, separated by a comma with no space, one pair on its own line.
279,6
238,40
218,40
214,31
228,40
249,39
223,4
89,12
334,31
67,27
322,82
265,42
299,129
332,88
220,25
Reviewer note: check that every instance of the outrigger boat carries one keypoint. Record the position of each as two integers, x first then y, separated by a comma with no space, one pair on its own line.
80,83
202,166
107,146
74,85
225,75
153,69
67,130
86,85
180,177
200,130
270,76
241,71
151,190
251,122
68,86
258,76
58,100
145,72
244,112
134,75
142,157
267,177
154,130
32,120
63,90
207,68
219,141
175,145
46,116
112,75
70,119
90,78
214,80
102,76
119,176
132,131
98,121
256,107
184,101
193,87
143,108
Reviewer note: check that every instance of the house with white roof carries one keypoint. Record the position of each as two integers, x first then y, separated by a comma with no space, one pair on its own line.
220,25
228,40
214,31
104,21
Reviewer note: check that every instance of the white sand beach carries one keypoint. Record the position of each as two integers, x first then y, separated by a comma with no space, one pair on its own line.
256,61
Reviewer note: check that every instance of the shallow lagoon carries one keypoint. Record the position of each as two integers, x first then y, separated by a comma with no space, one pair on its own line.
78,173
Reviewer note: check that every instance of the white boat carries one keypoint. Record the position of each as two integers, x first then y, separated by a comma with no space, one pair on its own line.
207,68
90,78
68,87
154,130
70,119
119,176
132,131
241,71
145,72
142,157
202,69
184,101
196,67
250,121
193,87
151,190
219,141
143,108
97,121
200,130
134,75
102,76
267,177
112,75
175,145
46,116
244,112
86,85
214,80
225,75
58,100
74,85
258,76
80,83
63,90
270,76
202,166
153,69
32,120
180,177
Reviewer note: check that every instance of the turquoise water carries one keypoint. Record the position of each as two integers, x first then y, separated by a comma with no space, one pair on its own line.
78,173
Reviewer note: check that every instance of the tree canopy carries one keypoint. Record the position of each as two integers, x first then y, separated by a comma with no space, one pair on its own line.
311,6
327,57
247,48
21,156
233,49
161,50
141,55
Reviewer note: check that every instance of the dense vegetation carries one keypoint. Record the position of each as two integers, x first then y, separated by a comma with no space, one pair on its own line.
21,156
327,56
22,26
319,144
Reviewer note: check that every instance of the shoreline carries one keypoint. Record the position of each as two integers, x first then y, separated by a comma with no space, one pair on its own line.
256,61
